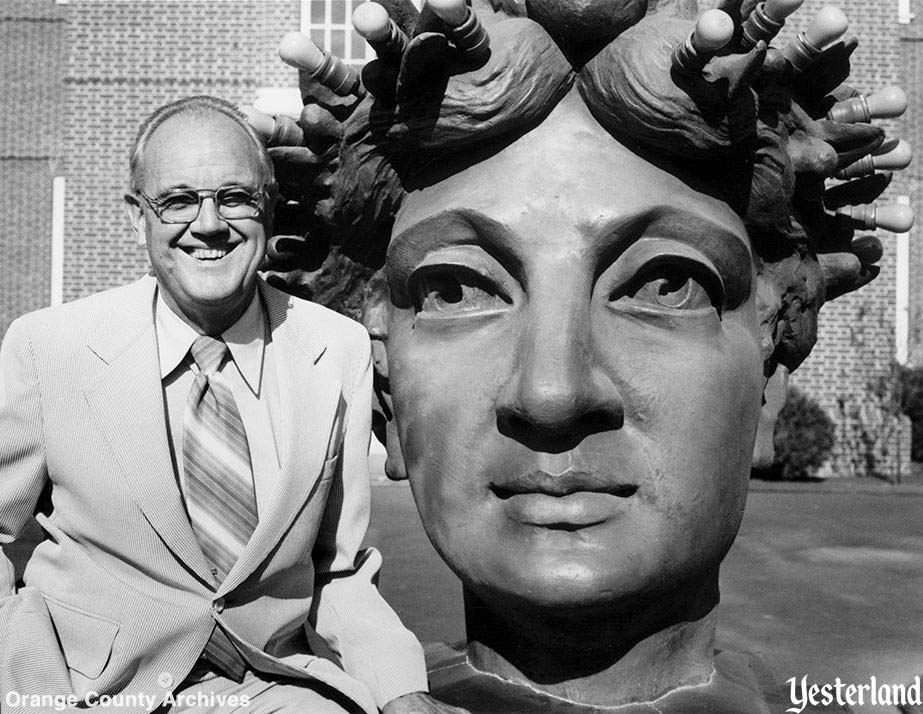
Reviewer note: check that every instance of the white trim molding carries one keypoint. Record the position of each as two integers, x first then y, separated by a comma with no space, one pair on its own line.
902,293
56,296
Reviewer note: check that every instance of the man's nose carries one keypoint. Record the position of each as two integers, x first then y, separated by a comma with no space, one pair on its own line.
559,391
208,222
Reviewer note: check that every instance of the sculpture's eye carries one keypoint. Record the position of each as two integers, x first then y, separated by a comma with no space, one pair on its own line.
453,291
677,286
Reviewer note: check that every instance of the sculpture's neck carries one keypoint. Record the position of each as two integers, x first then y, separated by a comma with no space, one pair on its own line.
591,660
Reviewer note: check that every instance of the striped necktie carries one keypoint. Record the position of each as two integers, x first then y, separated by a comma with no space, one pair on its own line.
219,481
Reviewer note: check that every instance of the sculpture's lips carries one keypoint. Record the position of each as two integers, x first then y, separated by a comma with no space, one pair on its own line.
567,501
562,484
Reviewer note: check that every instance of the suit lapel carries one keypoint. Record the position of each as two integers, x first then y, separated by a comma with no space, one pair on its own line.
127,400
308,406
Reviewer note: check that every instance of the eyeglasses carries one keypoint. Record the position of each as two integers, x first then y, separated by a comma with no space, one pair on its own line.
182,205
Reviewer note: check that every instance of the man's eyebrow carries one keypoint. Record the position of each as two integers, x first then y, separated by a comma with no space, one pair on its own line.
167,188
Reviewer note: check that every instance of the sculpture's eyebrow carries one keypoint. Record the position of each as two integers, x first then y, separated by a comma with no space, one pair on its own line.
726,247
693,227
715,238
720,242
455,227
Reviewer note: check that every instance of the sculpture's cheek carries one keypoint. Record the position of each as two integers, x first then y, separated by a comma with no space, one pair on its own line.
672,477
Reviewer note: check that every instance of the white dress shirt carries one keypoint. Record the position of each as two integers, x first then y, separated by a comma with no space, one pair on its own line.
250,374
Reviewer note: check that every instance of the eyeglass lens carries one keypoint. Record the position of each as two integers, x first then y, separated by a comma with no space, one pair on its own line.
232,202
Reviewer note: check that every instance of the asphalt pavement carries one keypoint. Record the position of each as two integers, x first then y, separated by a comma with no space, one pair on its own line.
824,580
823,584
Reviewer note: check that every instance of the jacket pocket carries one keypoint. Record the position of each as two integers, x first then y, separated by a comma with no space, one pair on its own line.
86,638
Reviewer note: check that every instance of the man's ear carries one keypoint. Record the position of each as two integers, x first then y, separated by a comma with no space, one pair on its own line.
136,217
375,308
269,208
774,395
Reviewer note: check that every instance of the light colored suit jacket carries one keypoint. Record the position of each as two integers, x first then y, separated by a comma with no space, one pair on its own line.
117,598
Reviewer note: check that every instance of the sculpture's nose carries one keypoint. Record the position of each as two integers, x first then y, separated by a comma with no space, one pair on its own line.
558,393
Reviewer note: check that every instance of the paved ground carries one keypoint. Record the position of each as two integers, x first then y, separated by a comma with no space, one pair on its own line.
822,584
825,580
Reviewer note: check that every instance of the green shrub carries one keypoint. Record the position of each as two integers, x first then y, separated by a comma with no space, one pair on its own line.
803,438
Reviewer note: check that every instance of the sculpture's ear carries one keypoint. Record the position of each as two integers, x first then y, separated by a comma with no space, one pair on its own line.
375,308
790,292
136,216
774,395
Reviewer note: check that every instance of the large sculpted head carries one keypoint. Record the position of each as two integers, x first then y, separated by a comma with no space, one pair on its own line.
593,276
576,364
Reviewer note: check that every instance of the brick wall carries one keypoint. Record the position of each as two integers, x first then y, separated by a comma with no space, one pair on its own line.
25,251
911,181
125,59
31,67
848,373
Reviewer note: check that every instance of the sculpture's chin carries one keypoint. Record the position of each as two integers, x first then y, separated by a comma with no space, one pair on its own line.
581,22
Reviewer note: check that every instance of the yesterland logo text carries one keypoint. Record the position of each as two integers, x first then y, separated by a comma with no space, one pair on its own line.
802,694
63,702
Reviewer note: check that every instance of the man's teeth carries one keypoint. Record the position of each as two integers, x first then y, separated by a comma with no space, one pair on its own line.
208,253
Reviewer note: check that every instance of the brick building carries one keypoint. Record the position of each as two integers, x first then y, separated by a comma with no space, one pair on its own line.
861,335
32,62
76,76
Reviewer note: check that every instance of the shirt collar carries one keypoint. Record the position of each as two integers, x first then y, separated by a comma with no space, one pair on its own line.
245,340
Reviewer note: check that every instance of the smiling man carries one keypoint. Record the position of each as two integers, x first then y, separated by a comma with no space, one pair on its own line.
194,446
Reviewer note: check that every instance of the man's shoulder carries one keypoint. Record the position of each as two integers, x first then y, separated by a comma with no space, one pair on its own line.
78,317
333,326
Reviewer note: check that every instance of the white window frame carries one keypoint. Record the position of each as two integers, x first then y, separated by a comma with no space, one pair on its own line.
904,15
902,293
56,296
353,55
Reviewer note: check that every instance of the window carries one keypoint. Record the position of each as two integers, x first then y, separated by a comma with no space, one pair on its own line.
329,24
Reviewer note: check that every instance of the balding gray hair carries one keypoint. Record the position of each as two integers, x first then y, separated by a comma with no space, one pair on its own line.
196,107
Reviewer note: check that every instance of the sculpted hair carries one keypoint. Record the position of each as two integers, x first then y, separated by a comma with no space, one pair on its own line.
196,107
745,130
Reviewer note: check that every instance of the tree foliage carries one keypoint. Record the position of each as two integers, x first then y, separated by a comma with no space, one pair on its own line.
803,439
910,398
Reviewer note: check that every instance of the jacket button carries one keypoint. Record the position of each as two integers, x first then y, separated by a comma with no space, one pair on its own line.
165,680
218,605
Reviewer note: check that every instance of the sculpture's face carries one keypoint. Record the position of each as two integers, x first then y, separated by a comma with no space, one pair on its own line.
576,369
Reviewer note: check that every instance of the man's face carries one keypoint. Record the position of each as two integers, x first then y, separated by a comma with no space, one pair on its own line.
576,370
208,267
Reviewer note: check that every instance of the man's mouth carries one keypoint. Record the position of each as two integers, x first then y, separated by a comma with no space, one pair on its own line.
216,253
